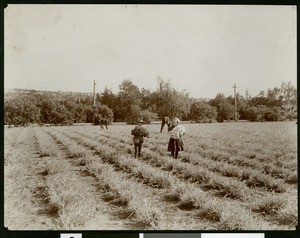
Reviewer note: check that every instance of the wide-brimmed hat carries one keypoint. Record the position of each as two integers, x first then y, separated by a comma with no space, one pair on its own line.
140,121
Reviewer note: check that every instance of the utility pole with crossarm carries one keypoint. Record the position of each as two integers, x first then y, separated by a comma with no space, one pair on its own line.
235,106
94,85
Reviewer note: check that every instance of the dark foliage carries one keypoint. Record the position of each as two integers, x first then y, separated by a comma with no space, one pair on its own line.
130,104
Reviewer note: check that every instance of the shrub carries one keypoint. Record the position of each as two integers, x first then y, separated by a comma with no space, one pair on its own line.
263,113
102,114
146,116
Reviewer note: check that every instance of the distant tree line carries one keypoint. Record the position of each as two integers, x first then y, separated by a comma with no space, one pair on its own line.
30,108
132,103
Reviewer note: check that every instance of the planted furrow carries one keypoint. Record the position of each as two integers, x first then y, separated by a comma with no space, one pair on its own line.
45,147
259,166
117,185
66,189
208,180
178,191
215,191
120,191
112,141
140,170
252,178
23,205
129,193
63,190
188,197
217,184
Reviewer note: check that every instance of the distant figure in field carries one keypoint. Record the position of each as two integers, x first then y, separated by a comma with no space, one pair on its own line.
104,123
139,132
166,121
175,143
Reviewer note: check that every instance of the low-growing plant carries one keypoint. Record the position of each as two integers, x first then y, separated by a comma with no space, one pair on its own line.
292,178
210,211
237,218
270,205
188,195
66,193
287,215
44,144
217,181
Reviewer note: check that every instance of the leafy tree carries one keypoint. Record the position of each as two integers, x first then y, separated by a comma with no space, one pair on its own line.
256,113
284,97
79,113
225,110
263,113
273,96
102,114
89,113
111,100
146,102
21,111
146,116
169,102
288,98
259,101
129,97
108,98
271,99
87,100
201,111
61,115
272,114
134,114
71,106
45,104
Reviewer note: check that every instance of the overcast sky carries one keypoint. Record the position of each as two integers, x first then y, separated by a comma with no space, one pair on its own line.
204,49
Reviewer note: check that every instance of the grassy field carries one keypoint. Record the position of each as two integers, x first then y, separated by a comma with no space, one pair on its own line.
231,176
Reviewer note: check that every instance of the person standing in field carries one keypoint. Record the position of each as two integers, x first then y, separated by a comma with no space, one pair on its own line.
139,132
175,143
166,121
103,123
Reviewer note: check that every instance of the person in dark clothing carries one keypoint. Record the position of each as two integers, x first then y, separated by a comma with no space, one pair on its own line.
139,133
104,123
166,121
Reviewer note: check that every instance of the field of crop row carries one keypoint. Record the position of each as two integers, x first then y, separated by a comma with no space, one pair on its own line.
231,176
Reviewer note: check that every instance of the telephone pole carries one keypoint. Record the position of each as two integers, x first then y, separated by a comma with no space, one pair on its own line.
94,85
235,107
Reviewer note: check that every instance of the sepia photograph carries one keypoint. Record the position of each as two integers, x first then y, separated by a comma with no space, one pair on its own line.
150,118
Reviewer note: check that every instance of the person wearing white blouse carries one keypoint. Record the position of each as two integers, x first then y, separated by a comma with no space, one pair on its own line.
175,143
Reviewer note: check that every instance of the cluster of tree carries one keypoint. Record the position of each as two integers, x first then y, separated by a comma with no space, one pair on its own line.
42,109
277,104
131,104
